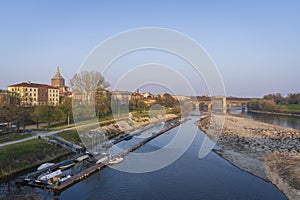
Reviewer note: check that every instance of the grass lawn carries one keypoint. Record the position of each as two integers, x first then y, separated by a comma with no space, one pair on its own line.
70,135
57,126
291,108
12,137
26,154
295,107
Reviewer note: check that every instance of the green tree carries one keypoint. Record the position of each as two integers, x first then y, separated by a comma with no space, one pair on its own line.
102,102
47,113
294,98
66,108
253,104
277,98
283,108
168,100
141,106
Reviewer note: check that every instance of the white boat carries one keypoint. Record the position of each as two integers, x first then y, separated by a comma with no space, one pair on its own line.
45,165
47,177
115,160
65,178
102,160
81,158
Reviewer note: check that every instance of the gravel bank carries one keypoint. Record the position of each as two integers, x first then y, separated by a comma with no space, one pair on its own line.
265,150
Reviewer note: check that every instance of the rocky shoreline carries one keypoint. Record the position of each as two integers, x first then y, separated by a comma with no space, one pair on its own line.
265,150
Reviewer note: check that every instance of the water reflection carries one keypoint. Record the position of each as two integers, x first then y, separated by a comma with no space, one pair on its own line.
287,121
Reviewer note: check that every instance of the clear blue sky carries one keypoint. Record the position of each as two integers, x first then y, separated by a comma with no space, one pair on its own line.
255,44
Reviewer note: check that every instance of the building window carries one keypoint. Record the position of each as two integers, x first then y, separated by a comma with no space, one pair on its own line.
26,89
30,90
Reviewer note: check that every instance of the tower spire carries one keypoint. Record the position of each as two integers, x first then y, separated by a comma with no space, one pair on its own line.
57,74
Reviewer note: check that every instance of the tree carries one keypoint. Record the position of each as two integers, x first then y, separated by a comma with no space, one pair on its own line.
23,117
294,98
267,105
66,108
102,102
48,114
264,105
253,104
86,83
283,108
168,100
278,98
13,112
140,105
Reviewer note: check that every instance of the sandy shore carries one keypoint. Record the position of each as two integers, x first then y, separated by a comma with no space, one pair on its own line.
265,150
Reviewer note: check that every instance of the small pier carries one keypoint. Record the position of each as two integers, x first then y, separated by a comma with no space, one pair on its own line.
79,176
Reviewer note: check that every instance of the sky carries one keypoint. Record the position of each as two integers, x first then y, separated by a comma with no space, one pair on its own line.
254,44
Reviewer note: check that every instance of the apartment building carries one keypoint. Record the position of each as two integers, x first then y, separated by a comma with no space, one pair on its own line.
35,94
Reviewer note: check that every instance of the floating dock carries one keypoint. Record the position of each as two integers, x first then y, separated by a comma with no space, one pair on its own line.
57,188
87,172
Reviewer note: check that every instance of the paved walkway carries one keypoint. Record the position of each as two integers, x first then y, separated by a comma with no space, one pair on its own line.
42,134
38,134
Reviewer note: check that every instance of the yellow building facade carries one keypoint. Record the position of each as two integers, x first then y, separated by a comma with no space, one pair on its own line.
35,94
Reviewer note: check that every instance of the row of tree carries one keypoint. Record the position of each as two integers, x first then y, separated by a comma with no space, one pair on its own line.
263,105
270,102
292,98
18,116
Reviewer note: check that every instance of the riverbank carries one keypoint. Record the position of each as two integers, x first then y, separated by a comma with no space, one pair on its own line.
275,113
23,156
265,150
26,155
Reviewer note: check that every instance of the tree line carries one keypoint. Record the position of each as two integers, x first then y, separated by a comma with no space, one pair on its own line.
274,102
16,116
292,98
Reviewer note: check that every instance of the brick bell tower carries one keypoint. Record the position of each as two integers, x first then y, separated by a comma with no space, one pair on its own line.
57,80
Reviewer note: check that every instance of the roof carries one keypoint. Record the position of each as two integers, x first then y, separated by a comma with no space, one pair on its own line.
29,84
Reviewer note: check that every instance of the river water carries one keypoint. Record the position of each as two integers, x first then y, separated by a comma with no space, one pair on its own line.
280,120
187,178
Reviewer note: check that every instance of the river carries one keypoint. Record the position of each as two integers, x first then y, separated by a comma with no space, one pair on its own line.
187,178
280,120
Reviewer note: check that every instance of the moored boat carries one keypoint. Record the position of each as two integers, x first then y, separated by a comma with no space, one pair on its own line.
82,158
64,178
102,160
44,178
115,160
45,165
66,164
